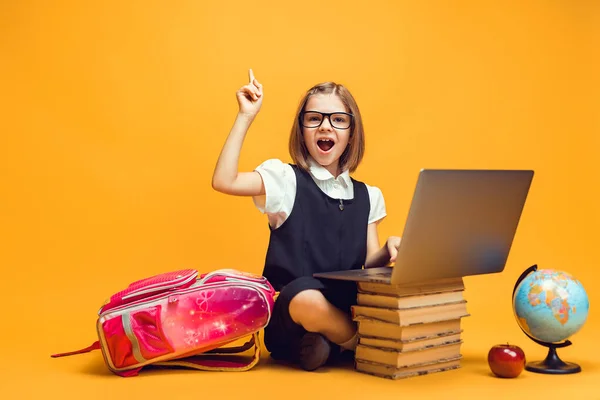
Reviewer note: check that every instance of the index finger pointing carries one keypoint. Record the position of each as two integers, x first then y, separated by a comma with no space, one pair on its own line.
251,74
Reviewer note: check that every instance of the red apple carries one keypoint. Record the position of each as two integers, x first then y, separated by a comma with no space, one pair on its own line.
506,360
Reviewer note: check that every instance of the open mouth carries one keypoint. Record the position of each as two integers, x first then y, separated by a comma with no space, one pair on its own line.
325,144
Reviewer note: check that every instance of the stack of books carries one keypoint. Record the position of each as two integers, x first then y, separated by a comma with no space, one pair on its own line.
409,330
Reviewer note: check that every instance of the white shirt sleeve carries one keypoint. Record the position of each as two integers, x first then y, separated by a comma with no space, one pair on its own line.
378,211
280,191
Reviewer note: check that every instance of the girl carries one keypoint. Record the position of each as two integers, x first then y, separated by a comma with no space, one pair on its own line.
320,219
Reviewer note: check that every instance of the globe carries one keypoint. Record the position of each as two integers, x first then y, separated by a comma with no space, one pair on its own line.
550,306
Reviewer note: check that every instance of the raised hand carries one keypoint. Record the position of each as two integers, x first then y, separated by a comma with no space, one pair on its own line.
227,178
250,96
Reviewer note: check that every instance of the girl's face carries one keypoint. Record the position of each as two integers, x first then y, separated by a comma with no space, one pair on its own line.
326,142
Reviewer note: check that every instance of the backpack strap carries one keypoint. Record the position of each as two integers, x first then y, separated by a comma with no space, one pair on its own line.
92,347
214,360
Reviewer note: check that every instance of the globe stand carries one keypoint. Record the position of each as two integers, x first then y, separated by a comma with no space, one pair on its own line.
552,364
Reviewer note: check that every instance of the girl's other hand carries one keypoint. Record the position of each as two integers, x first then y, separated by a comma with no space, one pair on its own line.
250,96
393,243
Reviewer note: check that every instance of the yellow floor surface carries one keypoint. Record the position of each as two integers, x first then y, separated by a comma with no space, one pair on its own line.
85,377
34,375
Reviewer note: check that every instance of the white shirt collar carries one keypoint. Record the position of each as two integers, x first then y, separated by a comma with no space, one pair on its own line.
319,172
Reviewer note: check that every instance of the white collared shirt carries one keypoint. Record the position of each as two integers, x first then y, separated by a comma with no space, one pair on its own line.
280,190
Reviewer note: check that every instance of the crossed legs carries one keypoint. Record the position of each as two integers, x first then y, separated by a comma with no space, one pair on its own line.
311,322
311,310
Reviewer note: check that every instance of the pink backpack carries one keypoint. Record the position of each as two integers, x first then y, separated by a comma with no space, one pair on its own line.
181,318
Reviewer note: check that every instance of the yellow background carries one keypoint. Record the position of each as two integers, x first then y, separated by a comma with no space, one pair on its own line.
113,115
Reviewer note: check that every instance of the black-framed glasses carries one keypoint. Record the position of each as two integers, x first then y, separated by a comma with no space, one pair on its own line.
314,119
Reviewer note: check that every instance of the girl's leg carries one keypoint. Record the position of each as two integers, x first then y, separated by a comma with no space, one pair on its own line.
311,310
284,337
306,336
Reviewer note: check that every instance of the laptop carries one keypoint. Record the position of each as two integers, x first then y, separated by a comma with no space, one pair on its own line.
460,223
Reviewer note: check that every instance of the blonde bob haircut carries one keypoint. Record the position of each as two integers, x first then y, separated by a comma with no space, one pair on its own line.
355,150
